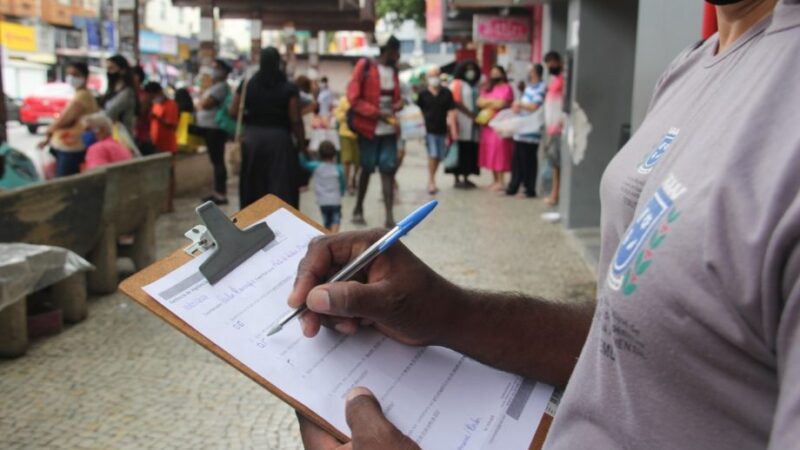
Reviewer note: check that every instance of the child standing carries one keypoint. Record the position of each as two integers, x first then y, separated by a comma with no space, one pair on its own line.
329,184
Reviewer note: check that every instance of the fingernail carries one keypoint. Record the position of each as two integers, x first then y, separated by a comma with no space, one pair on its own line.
357,392
343,328
319,301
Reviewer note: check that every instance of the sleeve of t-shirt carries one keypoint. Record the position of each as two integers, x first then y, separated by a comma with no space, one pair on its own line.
171,113
307,164
787,338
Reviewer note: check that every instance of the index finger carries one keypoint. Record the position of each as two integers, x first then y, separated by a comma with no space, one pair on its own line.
325,254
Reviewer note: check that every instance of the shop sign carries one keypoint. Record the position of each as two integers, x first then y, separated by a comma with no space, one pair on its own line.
109,36
169,45
500,29
14,36
149,42
433,20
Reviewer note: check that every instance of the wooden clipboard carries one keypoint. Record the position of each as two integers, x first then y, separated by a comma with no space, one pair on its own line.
134,288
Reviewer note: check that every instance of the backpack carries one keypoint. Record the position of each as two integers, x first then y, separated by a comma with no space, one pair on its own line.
224,120
350,112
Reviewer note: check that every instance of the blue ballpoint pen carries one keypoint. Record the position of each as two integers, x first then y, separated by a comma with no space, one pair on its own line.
348,271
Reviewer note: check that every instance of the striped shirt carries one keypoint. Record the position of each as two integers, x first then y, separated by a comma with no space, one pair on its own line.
533,95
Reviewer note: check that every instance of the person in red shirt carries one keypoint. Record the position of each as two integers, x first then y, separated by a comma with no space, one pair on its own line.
101,149
163,119
163,128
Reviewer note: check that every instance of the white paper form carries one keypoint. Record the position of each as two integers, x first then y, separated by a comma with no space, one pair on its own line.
440,398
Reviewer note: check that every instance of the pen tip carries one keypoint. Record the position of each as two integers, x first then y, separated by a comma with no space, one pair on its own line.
274,329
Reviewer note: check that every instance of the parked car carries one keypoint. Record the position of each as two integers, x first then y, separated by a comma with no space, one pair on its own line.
43,106
12,107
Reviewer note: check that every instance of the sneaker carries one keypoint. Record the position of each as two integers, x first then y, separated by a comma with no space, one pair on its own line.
358,218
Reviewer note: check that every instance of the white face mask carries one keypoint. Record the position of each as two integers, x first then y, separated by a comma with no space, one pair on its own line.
75,82
471,75
434,82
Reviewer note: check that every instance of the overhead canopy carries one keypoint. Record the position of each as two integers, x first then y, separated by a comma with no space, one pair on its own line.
311,15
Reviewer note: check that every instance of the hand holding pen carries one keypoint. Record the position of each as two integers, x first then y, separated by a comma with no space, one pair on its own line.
397,293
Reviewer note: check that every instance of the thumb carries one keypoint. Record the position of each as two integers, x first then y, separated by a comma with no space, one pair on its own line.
351,299
369,427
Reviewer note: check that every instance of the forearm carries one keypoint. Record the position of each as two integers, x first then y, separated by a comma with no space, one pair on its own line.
536,338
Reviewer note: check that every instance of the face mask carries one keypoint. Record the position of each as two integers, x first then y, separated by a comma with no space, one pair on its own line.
158,99
497,80
434,82
88,138
75,82
112,78
218,74
554,70
470,75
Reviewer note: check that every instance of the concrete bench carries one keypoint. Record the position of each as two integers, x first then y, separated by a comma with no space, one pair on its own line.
66,213
135,194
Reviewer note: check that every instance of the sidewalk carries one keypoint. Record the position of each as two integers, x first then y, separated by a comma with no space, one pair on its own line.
125,379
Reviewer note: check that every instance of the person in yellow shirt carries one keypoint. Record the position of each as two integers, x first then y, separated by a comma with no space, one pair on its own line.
348,143
64,135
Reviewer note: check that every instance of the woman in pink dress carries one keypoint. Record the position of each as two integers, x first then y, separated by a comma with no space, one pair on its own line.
495,151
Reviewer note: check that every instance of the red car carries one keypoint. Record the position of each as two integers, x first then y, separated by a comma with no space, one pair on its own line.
43,106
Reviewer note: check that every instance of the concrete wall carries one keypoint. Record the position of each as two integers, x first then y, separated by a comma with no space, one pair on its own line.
554,36
601,83
665,27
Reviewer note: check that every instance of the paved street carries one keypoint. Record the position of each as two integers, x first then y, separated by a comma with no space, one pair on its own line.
124,379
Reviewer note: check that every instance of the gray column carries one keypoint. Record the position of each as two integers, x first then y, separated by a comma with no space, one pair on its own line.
602,76
665,27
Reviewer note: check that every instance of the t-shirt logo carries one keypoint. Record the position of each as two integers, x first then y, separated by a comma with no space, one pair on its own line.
652,159
635,251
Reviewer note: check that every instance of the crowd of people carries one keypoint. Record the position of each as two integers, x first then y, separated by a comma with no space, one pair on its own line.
277,121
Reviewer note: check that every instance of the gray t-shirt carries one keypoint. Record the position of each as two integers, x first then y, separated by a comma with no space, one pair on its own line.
206,118
696,338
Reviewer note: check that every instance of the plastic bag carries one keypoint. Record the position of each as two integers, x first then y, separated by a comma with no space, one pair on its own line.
505,123
27,268
412,122
123,136
451,160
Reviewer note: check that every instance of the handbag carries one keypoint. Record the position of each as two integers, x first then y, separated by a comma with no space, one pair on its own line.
485,116
451,160
233,149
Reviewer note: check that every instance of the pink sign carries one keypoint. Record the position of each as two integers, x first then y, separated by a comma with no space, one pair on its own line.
500,29
433,20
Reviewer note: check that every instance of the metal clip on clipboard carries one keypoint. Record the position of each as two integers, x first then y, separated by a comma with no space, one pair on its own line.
233,245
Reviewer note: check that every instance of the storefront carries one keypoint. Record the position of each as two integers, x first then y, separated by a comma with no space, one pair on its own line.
27,57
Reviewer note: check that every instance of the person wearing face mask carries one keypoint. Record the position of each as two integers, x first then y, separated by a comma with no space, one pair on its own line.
465,94
64,134
207,107
435,102
554,121
495,151
121,103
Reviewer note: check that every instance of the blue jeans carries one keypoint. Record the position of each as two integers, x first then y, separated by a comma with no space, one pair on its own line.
380,152
437,147
331,215
67,163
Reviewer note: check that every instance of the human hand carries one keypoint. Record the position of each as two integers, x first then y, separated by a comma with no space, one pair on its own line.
516,107
369,427
396,293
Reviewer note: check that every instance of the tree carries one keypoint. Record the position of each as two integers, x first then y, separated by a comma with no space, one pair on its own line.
397,11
